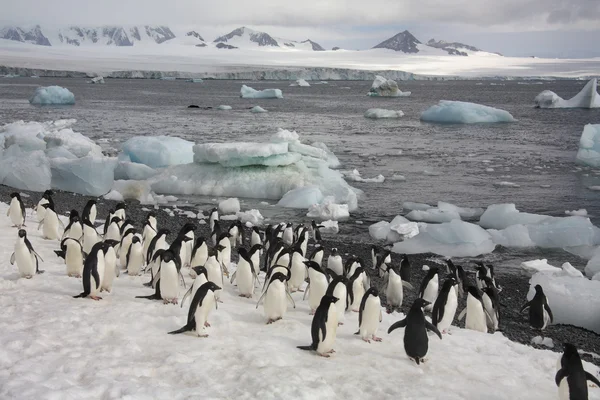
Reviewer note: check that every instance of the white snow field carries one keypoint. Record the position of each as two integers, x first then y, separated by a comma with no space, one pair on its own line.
248,93
56,347
589,146
588,97
383,87
461,112
380,113
52,95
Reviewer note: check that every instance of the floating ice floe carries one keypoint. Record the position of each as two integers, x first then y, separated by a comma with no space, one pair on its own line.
398,178
444,212
224,107
506,184
380,113
572,297
157,151
258,110
52,95
354,175
329,227
229,206
328,209
460,112
249,93
196,80
588,97
589,146
399,229
97,80
451,239
581,212
300,82
383,87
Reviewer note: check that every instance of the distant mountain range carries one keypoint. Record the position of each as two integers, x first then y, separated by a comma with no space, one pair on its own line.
238,38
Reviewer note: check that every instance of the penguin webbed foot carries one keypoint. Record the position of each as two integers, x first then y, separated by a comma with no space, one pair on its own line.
377,339
96,298
366,340
207,325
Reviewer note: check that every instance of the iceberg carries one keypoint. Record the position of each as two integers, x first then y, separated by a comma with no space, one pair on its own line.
433,215
329,227
354,175
258,110
328,209
89,175
450,239
461,112
241,153
500,216
97,80
512,236
399,229
383,87
380,113
588,97
52,95
248,93
74,142
592,267
25,170
300,82
302,197
379,230
229,206
126,170
589,146
158,151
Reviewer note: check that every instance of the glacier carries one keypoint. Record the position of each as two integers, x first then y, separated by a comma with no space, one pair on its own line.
589,146
588,97
52,95
383,87
380,113
157,151
249,93
461,112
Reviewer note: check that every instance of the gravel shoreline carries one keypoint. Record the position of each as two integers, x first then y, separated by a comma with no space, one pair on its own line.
515,285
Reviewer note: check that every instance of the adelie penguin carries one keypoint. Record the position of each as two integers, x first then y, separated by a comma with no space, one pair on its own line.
201,279
110,265
135,257
459,275
245,274
369,316
316,231
74,228
112,230
297,270
318,281
356,289
90,211
199,253
405,268
429,287
288,234
46,198
72,251
214,216
16,211
444,309
200,307
90,235
317,255
51,224
394,291
92,270
540,314
25,256
491,304
477,316
338,289
334,263
416,341
571,378
324,327
276,297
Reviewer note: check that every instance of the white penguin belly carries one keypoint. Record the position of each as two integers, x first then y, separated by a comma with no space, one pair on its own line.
341,293
201,314
74,261
16,217
136,260
449,311
215,275
148,235
90,238
326,343
318,288
51,226
39,210
563,390
394,291
475,315
169,281
124,249
431,292
358,291
75,231
298,273
25,260
487,304
370,317
245,279
275,303
335,264
110,265
113,233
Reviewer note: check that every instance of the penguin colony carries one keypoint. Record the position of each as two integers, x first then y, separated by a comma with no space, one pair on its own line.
280,253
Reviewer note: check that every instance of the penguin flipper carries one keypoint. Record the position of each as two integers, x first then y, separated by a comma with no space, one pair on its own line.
306,291
396,325
184,329
260,298
462,314
60,253
289,296
185,296
525,306
432,328
307,348
233,277
592,378
37,255
407,285
548,310
12,259
81,295
560,375
40,224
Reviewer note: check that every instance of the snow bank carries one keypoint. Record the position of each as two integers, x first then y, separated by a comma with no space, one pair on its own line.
52,95
380,113
249,93
451,239
229,206
383,87
301,83
328,209
158,151
589,146
460,112
588,97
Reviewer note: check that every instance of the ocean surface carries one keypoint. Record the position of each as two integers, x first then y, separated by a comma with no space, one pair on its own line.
459,164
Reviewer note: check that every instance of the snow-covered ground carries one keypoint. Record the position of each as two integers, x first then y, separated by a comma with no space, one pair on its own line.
191,59
53,346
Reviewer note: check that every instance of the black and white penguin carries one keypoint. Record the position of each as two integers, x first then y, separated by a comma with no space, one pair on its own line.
169,273
405,268
444,309
224,246
335,263
394,291
74,228
356,289
90,235
90,211
317,254
214,217
93,267
16,210
429,287
369,316
255,237
416,341
374,255
126,240
540,314
276,297
245,274
484,271
51,223
318,281
149,232
302,240
324,327
186,235
352,263
288,234
571,378
298,271
236,234
200,307
384,260
214,269
112,231
72,251
110,265
25,256
338,289
316,231
201,279
460,276
134,260
475,311
120,212
158,242
491,304
199,253
254,254
46,198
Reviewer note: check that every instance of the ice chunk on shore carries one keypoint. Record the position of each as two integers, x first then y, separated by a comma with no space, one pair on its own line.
379,230
76,143
158,151
328,209
512,236
535,266
301,83
249,93
253,217
90,175
592,267
500,216
589,146
433,215
460,112
451,239
126,170
223,107
354,175
380,113
302,197
329,227
229,206
582,212
258,110
383,87
588,97
25,170
283,135
465,213
52,95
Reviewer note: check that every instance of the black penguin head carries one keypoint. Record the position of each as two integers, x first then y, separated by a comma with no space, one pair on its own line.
211,286
450,281
372,292
135,239
224,235
327,300
256,230
200,270
47,206
47,194
91,203
313,265
473,291
120,206
73,213
112,243
219,247
189,227
168,256
279,276
15,195
199,242
538,290
334,251
214,211
570,351
243,253
151,214
255,248
115,220
420,303
163,232
22,233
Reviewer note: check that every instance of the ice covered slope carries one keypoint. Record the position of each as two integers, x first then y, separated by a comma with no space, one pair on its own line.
588,97
249,38
589,146
461,112
119,347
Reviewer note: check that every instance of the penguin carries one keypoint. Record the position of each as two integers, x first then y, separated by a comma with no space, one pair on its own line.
288,234
151,221
16,211
405,268
110,265
484,271
200,308
214,269
318,281
224,252
90,211
324,327
369,316
416,341
113,230
334,263
374,255
245,274
201,279
317,254
275,250
255,237
188,231
74,256
338,289
74,228
41,211
491,304
429,287
445,305
94,265
134,259
25,256
126,240
169,272
459,275
125,226
284,257
476,314
356,289
254,255
157,244
316,232
234,233
394,291
384,260
351,265
50,223
120,212
571,378
302,240
276,297
298,273
148,233
90,235
214,216
540,314
199,253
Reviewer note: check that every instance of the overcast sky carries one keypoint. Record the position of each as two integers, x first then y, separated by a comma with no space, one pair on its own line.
551,28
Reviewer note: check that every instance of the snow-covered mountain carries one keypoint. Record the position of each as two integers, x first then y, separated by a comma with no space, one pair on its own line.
406,42
453,48
32,35
245,37
403,41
